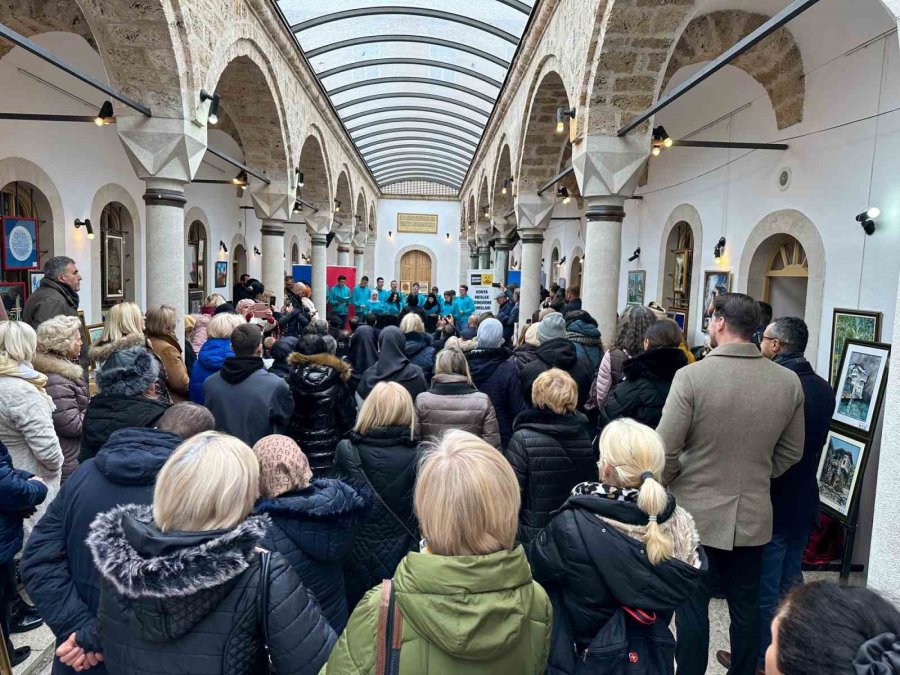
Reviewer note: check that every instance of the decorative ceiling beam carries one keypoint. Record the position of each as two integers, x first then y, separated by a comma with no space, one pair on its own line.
410,62
398,79
422,39
415,120
412,94
439,135
413,108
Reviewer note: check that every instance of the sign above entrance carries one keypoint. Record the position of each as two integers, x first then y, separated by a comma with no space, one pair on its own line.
418,223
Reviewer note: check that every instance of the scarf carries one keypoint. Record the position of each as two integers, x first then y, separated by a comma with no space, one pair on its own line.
392,365
24,371
364,348
790,359
612,492
283,466
236,369
70,296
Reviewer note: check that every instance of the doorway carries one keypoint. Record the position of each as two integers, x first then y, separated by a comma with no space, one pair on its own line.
787,278
239,262
415,267
575,272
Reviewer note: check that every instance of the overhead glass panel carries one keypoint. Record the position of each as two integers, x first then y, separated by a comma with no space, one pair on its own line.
414,81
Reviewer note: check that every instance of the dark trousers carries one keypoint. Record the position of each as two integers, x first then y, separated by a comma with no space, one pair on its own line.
736,574
8,594
781,572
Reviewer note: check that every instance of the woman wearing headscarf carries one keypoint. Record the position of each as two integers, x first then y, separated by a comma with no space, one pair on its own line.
432,309
280,351
392,307
313,522
363,349
392,366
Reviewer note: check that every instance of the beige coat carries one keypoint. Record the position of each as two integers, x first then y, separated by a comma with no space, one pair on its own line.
452,403
731,423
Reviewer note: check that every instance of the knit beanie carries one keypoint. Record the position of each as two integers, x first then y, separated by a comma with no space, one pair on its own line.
490,334
531,335
553,326
282,466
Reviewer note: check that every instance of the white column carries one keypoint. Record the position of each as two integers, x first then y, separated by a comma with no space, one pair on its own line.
473,260
319,286
165,246
602,261
484,257
370,261
501,259
359,262
273,258
532,251
343,255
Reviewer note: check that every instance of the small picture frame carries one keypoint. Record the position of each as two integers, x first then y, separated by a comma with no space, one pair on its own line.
114,260
221,273
850,324
195,301
12,294
85,336
714,281
861,381
679,316
637,280
94,332
680,272
839,474
19,244
34,281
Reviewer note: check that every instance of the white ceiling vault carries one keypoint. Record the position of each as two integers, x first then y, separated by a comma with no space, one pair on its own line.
414,81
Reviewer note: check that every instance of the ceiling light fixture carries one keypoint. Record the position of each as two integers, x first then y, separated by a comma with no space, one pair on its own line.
506,185
86,224
719,249
105,116
298,207
561,115
299,177
337,205
661,136
213,115
635,255
563,192
241,179
867,219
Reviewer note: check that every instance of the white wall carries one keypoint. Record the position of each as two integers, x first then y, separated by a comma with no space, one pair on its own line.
444,252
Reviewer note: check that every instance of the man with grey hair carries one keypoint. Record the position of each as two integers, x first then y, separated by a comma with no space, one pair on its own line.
58,292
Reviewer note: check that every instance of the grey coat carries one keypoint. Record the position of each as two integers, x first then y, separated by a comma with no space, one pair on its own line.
67,388
731,423
258,406
452,403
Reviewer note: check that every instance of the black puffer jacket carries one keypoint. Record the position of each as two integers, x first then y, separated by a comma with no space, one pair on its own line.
186,602
106,414
498,377
324,407
592,561
550,455
643,392
313,529
420,352
385,459
558,353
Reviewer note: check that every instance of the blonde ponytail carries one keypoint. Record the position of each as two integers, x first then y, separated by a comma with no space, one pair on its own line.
635,454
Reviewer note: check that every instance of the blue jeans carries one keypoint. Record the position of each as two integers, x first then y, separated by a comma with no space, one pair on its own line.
781,572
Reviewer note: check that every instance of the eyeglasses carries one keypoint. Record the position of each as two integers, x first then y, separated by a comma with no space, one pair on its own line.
766,337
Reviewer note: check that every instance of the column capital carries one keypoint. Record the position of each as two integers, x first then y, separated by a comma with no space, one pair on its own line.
607,209
503,244
274,201
162,147
272,228
531,235
319,223
533,211
164,193
359,250
318,239
609,165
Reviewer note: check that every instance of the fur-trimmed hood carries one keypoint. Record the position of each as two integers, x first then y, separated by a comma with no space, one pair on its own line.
51,364
101,351
322,360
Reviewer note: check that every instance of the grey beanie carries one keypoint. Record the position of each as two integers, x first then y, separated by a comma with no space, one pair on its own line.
551,327
490,334
128,372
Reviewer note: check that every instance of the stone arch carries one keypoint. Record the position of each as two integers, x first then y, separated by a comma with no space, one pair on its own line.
35,18
575,275
359,220
776,62
14,169
635,37
503,203
343,196
293,247
482,219
760,243
236,241
114,193
417,247
316,175
683,213
542,146
553,264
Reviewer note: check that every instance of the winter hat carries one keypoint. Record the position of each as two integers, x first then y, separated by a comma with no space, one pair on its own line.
551,327
490,334
282,466
544,313
128,372
225,308
245,306
531,335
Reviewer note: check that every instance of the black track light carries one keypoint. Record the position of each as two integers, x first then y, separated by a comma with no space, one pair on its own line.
298,207
256,251
719,249
867,219
105,116
86,224
660,135
563,261
299,177
337,205
635,255
507,183
563,192
223,246
213,115
561,115
241,179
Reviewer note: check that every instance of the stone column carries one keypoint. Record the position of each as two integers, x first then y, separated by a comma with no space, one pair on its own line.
602,261
343,255
359,262
166,284
319,285
273,258
501,259
370,261
473,259
484,257
532,252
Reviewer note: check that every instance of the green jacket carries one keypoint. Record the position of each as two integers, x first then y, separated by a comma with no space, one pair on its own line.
468,615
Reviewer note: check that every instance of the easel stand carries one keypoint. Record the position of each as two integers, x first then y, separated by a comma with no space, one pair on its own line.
847,557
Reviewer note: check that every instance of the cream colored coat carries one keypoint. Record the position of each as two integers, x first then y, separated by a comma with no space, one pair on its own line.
731,423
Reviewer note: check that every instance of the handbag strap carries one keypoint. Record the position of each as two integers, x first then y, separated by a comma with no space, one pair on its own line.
262,604
358,460
389,638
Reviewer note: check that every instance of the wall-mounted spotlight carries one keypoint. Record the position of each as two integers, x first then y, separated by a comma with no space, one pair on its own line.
223,246
213,115
561,115
337,205
561,262
299,177
507,183
563,192
86,224
390,234
635,255
867,219
719,249
241,179
448,236
298,207
105,116
256,251
661,139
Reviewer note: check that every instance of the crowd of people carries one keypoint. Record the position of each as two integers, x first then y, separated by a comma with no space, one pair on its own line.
289,491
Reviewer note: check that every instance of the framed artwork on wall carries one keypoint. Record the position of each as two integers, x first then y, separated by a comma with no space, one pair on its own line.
12,293
221,273
20,244
850,324
636,283
114,257
195,301
714,282
680,272
840,473
85,336
679,316
860,386
95,332
34,281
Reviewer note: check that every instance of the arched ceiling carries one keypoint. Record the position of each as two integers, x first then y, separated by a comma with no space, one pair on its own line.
416,78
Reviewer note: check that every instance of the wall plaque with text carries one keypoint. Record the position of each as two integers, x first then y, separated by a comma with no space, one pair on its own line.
419,223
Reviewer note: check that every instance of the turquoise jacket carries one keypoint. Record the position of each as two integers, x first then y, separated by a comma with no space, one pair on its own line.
339,298
375,307
449,308
361,298
434,310
383,294
465,307
391,309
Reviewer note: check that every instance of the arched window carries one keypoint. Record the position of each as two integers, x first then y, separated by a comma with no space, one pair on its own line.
197,256
116,255
678,269
239,262
295,254
554,265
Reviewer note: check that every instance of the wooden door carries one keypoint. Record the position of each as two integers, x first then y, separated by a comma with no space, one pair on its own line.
415,267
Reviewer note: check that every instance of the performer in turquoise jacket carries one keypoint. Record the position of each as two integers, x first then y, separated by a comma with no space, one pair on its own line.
375,305
339,297
465,306
361,296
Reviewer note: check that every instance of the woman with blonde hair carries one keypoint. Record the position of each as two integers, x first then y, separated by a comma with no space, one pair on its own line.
215,350
378,458
160,329
622,542
467,602
419,348
453,402
189,571
550,450
58,347
213,301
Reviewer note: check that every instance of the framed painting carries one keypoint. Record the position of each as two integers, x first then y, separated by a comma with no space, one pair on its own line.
221,273
679,316
114,258
680,272
12,293
715,282
850,324
861,380
195,301
34,281
85,336
839,474
20,244
192,264
95,332
201,264
636,282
